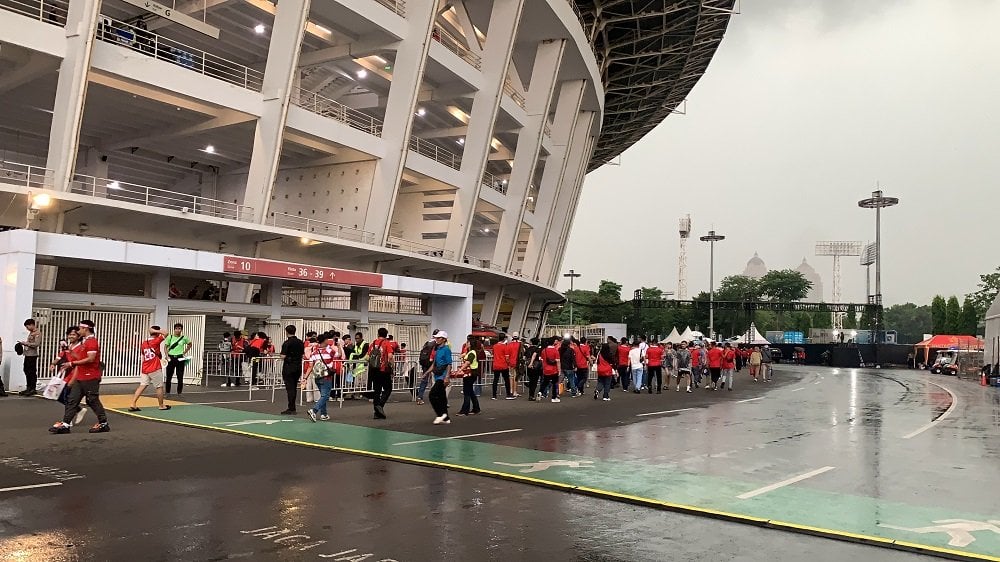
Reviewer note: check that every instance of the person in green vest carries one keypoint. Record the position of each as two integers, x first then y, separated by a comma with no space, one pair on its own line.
177,346
470,374
359,355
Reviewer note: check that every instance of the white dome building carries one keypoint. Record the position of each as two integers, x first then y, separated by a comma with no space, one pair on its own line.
816,292
756,268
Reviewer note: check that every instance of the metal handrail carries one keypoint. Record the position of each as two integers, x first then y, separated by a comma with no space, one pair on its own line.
397,243
494,183
26,175
451,43
547,129
49,11
396,6
161,198
508,88
313,226
435,152
194,59
315,103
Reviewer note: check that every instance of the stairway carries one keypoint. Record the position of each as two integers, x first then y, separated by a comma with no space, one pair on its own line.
214,328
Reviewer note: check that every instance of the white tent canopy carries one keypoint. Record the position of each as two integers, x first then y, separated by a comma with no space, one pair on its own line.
753,337
688,335
674,337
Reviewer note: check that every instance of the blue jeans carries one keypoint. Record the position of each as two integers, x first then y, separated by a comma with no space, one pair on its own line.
570,375
550,380
638,379
604,384
325,385
424,379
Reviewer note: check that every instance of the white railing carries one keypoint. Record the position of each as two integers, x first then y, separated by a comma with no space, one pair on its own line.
315,103
313,226
115,190
518,97
478,262
315,298
49,11
174,52
396,6
494,183
396,243
435,152
23,174
451,43
394,304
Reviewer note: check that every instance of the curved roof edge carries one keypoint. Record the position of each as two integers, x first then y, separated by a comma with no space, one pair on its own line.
651,53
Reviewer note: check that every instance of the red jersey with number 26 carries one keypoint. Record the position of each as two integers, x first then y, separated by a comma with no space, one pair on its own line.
150,349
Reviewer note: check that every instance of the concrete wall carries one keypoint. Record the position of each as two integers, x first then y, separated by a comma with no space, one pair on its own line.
336,194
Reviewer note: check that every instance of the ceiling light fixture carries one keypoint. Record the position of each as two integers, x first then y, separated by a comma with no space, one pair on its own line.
380,59
421,112
259,29
461,141
362,73
114,185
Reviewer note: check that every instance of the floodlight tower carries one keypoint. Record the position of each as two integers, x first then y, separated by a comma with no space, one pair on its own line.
682,258
838,249
868,256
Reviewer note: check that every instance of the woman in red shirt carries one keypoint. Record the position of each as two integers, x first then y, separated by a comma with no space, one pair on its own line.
550,369
605,372
714,357
728,366
624,373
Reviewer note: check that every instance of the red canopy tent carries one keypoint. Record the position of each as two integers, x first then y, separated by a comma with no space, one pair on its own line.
946,342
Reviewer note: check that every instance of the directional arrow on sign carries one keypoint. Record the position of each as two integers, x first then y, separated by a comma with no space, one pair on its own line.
250,422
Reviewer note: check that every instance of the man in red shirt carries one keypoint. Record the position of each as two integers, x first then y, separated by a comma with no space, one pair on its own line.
380,373
515,360
501,366
715,363
151,372
624,372
654,362
550,370
85,380
583,359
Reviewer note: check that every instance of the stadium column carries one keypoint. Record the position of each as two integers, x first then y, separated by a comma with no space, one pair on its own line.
563,129
544,75
519,313
407,77
279,73
559,248
491,305
71,91
17,262
569,190
503,25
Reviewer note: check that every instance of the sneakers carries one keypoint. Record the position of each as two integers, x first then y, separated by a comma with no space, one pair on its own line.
689,389
312,415
442,420
288,413
607,400
59,427
324,417
79,416
225,385
555,400
511,398
494,398
100,428
420,402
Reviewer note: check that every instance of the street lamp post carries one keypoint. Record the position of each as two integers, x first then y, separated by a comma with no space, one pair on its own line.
711,238
877,201
572,276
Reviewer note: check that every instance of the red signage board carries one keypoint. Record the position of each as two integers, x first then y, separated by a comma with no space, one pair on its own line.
313,273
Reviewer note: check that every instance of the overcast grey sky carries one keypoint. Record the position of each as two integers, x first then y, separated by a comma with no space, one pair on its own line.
806,105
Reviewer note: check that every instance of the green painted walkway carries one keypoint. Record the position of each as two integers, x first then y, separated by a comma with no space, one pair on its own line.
795,507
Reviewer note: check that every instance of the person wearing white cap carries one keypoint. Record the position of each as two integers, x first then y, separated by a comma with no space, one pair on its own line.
442,368
517,360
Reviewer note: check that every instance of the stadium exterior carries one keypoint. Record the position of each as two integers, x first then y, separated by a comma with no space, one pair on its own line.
445,140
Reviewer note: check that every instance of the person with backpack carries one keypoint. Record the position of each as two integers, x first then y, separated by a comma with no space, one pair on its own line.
426,363
442,369
30,349
471,370
321,370
380,365
177,346
225,359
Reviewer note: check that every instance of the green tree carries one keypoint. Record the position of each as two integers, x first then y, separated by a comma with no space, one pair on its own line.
989,287
738,288
851,319
953,316
822,319
785,285
939,315
910,321
610,290
969,319
802,322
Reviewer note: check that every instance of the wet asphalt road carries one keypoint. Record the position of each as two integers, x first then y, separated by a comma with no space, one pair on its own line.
158,492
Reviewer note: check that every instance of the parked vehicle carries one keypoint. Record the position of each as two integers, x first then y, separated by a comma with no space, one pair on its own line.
957,361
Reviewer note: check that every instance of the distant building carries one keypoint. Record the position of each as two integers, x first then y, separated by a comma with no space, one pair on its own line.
756,268
816,292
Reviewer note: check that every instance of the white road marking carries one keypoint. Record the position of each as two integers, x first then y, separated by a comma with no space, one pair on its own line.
15,488
458,437
664,412
784,483
250,422
954,403
749,400
228,402
819,381
798,389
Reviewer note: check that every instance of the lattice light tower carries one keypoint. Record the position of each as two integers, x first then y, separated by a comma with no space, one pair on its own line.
682,258
838,249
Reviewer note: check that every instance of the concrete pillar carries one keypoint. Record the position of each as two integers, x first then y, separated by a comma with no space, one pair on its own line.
274,300
519,314
17,265
563,131
548,59
407,77
570,185
279,74
491,306
504,21
160,291
71,91
359,301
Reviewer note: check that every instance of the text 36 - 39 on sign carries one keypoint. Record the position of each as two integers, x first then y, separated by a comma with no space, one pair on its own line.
285,270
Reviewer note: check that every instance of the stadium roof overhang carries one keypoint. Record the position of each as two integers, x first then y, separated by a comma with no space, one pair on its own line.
650,53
